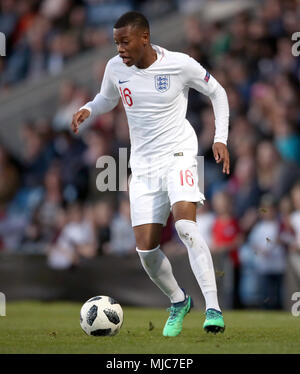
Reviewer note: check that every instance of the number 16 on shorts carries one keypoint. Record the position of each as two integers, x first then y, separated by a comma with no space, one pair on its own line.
188,188
183,182
186,177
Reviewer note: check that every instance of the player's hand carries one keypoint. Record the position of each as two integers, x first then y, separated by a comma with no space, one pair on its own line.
221,154
78,118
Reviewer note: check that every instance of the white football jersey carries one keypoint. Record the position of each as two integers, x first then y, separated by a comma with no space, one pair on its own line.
155,100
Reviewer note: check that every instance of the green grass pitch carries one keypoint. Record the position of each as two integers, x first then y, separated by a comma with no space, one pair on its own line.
40,327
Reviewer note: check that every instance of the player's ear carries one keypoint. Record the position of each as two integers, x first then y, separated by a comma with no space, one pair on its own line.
145,37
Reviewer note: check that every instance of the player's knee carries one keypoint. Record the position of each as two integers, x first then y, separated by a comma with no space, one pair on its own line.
147,236
185,230
147,245
145,241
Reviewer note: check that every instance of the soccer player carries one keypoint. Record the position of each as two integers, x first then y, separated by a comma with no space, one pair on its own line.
153,84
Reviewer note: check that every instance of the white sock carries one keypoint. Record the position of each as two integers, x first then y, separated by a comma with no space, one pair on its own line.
159,269
200,260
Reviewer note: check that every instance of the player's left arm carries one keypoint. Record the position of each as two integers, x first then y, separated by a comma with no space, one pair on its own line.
221,154
218,98
195,76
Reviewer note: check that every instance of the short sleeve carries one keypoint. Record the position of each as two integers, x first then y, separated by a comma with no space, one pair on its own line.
108,88
194,75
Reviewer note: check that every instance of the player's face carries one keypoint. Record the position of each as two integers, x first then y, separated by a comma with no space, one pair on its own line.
131,42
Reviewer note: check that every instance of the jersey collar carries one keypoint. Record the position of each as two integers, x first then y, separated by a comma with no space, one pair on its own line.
160,56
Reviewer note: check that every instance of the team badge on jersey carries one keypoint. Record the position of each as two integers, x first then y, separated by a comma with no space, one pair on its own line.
162,82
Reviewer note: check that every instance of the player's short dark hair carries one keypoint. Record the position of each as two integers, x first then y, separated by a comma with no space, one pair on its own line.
135,19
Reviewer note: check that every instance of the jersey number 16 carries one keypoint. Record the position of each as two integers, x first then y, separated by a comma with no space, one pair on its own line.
125,95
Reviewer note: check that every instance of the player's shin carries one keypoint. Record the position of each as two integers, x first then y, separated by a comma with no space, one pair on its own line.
200,260
159,269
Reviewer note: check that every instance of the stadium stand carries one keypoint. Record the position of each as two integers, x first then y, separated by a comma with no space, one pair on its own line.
47,174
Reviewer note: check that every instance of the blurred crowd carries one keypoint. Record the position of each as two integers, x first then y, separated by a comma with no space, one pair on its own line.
43,35
49,202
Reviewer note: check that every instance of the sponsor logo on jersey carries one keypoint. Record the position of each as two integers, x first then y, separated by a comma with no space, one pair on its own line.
207,76
162,82
121,82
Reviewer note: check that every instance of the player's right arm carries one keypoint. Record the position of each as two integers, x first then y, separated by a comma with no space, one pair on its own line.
104,101
78,118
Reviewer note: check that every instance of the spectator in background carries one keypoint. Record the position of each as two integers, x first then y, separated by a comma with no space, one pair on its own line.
287,232
122,240
71,97
205,219
274,175
264,240
97,74
36,156
9,179
249,286
243,138
55,10
8,17
25,199
74,172
42,227
243,186
26,11
75,243
105,12
295,215
28,57
121,131
97,146
239,76
103,214
226,238
43,35
55,60
95,37
287,141
35,59
9,184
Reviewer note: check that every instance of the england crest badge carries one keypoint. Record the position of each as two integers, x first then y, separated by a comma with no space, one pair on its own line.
162,82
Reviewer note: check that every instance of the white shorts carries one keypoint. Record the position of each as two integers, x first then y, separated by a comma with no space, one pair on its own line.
152,196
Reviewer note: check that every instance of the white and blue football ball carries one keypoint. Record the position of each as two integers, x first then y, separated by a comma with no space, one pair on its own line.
101,316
